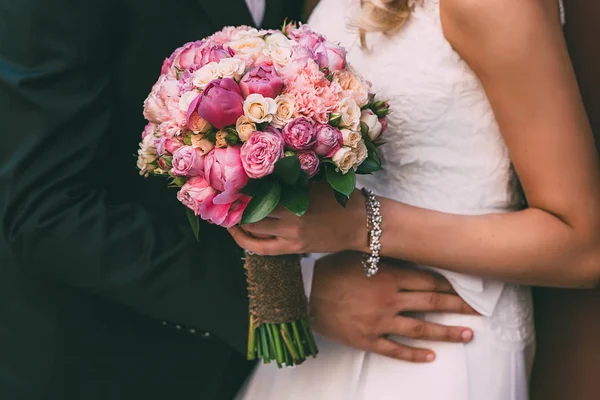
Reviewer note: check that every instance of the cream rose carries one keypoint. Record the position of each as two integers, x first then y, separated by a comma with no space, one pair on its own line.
241,33
373,124
259,109
206,75
351,138
205,145
147,157
344,159
281,55
245,128
249,46
221,140
186,99
285,111
361,153
354,85
350,112
231,68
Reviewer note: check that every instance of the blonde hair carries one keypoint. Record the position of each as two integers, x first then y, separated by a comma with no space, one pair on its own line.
386,16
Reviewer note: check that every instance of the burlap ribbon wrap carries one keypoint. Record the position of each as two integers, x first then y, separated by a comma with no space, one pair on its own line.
276,289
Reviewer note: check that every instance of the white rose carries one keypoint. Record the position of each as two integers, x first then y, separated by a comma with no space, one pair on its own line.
351,138
285,111
231,68
245,128
354,86
186,100
344,159
247,46
205,145
372,122
259,109
350,114
240,34
279,39
361,153
147,156
206,75
281,55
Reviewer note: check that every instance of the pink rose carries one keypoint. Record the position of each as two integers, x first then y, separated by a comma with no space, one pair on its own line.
187,161
221,103
213,53
336,57
166,146
260,153
198,124
313,41
309,162
262,80
187,55
299,134
224,170
225,215
195,193
328,140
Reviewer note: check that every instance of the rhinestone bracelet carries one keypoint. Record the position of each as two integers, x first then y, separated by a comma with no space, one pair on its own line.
370,262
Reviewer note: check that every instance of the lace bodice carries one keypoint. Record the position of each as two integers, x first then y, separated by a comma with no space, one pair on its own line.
444,150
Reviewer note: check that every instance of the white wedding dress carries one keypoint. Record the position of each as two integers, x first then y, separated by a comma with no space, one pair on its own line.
443,151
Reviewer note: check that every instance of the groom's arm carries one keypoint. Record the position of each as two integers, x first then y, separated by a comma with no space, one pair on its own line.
54,96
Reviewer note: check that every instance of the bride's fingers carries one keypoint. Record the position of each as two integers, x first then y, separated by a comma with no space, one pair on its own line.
389,348
418,329
268,226
433,302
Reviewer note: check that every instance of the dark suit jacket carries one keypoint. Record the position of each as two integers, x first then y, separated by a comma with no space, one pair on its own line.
92,256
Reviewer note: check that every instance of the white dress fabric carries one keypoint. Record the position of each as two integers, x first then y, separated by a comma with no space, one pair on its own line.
444,152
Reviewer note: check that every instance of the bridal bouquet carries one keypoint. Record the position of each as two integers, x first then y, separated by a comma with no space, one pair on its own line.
244,121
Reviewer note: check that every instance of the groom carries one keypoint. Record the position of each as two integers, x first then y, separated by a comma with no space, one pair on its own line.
104,293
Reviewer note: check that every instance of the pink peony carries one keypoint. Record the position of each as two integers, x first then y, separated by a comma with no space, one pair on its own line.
260,153
299,134
309,162
225,215
328,140
221,103
263,80
187,55
149,129
166,146
158,106
313,41
195,193
187,161
224,170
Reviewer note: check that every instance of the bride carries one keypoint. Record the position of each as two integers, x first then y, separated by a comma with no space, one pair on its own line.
477,87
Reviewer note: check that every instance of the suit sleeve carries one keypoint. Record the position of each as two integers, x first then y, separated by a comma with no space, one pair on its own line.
55,62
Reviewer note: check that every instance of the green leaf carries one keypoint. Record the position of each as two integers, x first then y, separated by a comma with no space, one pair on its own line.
288,169
295,198
304,178
261,206
341,198
254,187
368,166
343,183
194,223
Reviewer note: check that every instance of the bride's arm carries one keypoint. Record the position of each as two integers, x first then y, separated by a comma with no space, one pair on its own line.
517,50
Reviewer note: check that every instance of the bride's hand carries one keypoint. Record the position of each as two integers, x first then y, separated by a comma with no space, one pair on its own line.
327,227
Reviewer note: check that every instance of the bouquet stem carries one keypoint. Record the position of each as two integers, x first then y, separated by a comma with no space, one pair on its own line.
279,327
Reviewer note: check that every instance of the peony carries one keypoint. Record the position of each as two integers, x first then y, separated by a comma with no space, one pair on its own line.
313,41
225,215
259,109
350,112
353,85
166,146
299,134
309,162
187,161
262,80
344,159
220,103
245,127
351,138
149,129
158,104
260,153
373,124
212,53
224,170
336,57
285,111
361,153
328,140
204,146
195,193
147,156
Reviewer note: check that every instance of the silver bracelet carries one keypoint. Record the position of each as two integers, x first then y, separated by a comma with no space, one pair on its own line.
370,262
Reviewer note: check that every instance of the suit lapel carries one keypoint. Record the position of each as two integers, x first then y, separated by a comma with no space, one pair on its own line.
226,12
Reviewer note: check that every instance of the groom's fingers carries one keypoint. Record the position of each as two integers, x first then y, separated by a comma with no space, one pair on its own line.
418,329
433,302
389,348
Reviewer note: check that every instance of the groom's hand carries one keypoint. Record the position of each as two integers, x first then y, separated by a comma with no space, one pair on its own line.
361,312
